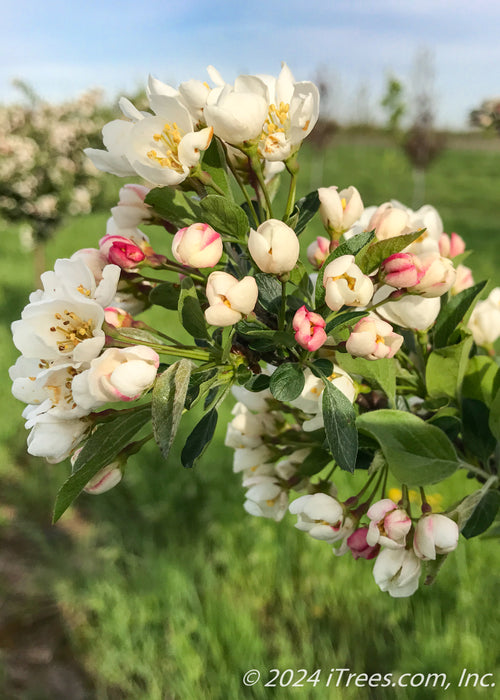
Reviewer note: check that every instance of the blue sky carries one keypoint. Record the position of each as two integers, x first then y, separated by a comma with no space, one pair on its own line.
63,47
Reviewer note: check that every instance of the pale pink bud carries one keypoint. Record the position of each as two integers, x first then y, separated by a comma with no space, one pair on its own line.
435,534
309,329
451,246
121,251
401,270
359,546
318,251
118,318
274,246
345,284
463,280
197,245
119,374
229,298
439,276
131,209
105,479
388,221
389,524
373,339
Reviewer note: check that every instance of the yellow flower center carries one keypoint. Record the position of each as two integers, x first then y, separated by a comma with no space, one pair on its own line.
169,141
73,329
351,281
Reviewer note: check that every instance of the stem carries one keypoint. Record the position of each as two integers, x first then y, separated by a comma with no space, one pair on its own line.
257,168
172,267
293,169
478,471
189,353
281,322
244,191
228,346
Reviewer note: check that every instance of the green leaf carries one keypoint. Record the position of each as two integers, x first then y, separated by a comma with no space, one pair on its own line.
258,382
350,247
287,382
166,295
214,163
140,335
224,216
174,206
190,314
340,426
417,453
269,292
482,379
381,373
483,515
101,448
494,420
321,367
476,433
300,278
315,461
169,395
199,439
446,368
344,321
454,312
371,257
306,208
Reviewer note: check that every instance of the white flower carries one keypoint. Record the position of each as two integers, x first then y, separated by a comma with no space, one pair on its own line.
229,298
439,276
254,400
115,136
119,374
339,210
250,459
163,149
64,329
46,385
292,114
131,209
389,221
52,437
237,114
397,572
484,321
274,246
246,428
265,497
435,534
72,278
345,284
322,517
311,397
373,339
408,312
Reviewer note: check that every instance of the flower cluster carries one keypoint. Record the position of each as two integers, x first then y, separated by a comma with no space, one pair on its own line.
371,354
44,174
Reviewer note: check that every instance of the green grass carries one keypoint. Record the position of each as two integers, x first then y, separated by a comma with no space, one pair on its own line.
169,590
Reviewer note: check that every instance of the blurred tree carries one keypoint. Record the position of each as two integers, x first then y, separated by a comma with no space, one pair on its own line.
393,104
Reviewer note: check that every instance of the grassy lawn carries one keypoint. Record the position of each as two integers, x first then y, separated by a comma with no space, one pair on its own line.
164,588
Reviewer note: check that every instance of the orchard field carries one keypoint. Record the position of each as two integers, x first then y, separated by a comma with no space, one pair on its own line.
165,589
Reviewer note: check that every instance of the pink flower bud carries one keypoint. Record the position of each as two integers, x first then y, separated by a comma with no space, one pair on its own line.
105,479
309,329
439,276
118,317
373,339
121,251
197,245
451,246
318,251
389,524
435,534
401,270
359,546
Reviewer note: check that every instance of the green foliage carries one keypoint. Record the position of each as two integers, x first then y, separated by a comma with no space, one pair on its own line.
101,448
446,368
190,314
340,426
370,258
169,395
224,216
417,453
379,373
287,382
199,439
455,310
